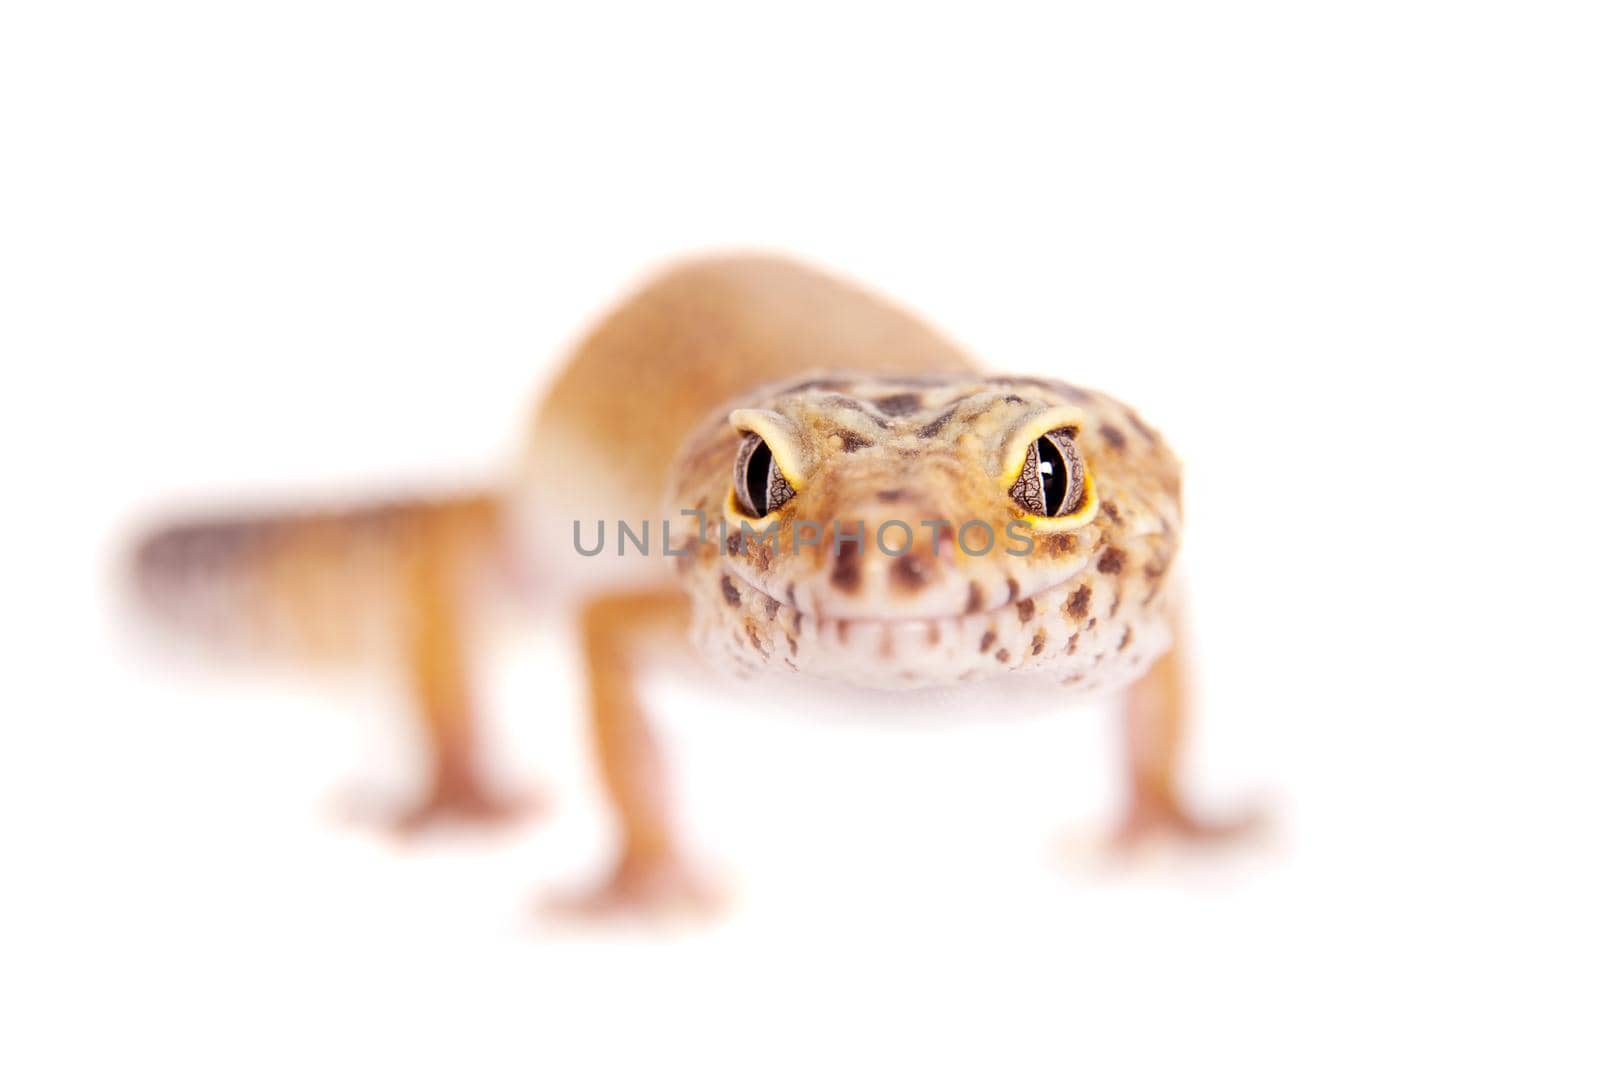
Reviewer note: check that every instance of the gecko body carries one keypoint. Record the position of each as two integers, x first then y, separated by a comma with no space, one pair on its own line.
851,501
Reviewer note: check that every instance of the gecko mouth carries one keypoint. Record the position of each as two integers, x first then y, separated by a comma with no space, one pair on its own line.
977,594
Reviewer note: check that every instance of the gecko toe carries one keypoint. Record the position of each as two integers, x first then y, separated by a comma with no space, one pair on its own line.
662,891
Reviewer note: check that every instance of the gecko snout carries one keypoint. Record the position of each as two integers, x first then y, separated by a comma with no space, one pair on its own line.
887,548
898,559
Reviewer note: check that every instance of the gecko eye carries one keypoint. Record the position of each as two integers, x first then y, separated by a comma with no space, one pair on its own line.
1051,482
760,486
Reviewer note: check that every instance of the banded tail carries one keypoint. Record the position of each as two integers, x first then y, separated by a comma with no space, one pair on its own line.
324,584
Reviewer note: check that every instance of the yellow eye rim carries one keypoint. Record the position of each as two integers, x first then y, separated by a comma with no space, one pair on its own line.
779,435
776,431
735,514
1025,433
1021,438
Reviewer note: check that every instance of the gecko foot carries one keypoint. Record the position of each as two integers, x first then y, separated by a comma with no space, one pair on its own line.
1149,821
471,807
659,889
451,805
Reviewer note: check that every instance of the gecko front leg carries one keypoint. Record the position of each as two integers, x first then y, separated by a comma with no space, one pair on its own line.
649,872
1155,719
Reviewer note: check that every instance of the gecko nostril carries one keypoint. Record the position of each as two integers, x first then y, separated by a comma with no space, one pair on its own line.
846,565
909,572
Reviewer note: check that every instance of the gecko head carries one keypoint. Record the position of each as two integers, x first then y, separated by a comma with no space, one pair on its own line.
896,532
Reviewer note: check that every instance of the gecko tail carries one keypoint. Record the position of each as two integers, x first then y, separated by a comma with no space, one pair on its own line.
319,583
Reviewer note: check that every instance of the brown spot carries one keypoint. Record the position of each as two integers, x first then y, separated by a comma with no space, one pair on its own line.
730,591
1012,589
794,647
684,562
771,605
933,634
789,595
1154,571
857,405
1072,644
901,403
1092,623
1116,604
909,572
852,442
755,639
1025,609
1060,543
846,566
974,598
1114,437
1127,637
987,642
892,495
934,428
1111,561
736,543
1002,656
1078,604
1111,509
1038,642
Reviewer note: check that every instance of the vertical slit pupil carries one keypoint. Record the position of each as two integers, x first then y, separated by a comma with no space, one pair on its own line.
756,474
1053,475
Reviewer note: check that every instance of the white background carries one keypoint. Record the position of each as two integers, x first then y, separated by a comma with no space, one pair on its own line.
1343,254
